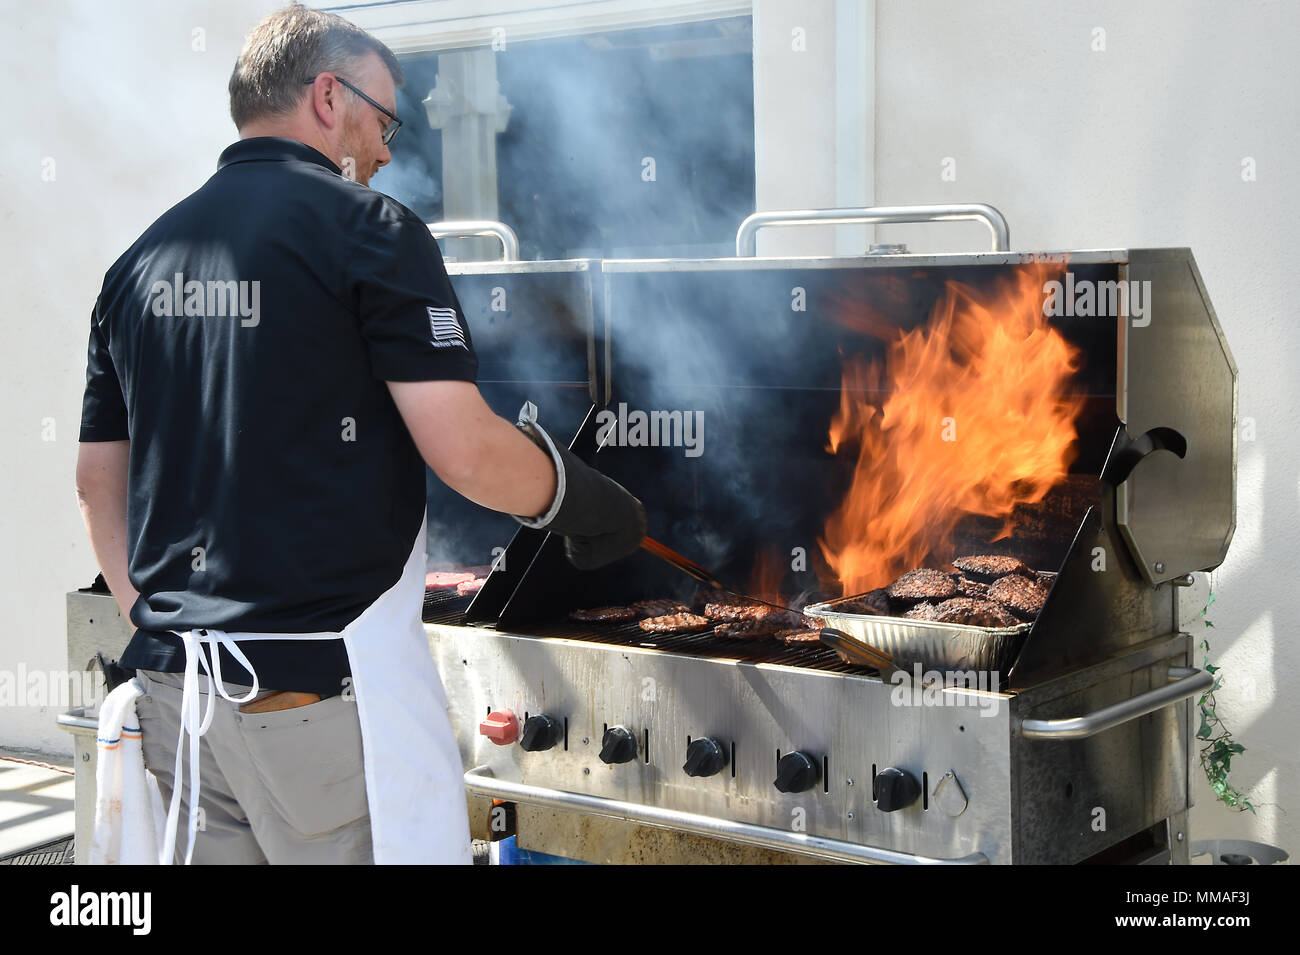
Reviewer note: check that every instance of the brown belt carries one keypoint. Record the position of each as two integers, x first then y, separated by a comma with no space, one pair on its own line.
279,700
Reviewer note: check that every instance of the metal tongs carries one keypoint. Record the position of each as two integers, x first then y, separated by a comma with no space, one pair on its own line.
692,569
852,651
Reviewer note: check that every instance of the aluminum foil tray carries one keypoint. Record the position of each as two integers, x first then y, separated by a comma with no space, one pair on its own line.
935,646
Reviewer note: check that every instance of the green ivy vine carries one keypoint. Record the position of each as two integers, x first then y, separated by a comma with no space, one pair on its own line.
1220,747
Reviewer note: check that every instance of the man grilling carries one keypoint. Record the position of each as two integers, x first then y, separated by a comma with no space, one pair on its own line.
270,367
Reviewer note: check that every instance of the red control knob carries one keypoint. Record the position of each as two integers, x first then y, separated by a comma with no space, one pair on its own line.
501,727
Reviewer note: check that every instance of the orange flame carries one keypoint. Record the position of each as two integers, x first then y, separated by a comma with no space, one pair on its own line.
975,420
767,575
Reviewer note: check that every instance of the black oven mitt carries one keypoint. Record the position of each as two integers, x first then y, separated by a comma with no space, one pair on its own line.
597,517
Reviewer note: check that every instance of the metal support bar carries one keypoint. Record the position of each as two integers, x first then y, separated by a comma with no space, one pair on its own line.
461,228
746,235
1188,681
76,719
480,781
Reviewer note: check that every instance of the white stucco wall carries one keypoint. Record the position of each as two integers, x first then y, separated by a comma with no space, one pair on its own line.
133,118
1139,144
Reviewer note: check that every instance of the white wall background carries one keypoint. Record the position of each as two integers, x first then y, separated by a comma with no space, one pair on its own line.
1137,145
134,118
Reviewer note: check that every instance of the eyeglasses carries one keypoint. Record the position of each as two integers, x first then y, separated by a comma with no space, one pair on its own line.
394,123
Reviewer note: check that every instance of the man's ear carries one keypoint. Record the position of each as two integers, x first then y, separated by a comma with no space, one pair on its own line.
326,99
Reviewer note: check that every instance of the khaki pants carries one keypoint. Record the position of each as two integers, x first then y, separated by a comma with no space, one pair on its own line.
286,786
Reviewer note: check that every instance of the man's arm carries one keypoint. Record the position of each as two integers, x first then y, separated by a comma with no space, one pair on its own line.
419,344
474,451
524,473
101,492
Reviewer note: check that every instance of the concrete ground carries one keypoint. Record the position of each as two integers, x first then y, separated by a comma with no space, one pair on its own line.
37,808
36,802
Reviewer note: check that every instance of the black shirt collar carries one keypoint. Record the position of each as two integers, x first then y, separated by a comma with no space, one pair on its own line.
274,149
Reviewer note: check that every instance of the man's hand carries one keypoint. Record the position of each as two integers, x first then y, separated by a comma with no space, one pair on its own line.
599,520
101,492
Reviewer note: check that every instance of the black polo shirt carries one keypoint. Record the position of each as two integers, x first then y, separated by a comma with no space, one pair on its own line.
242,344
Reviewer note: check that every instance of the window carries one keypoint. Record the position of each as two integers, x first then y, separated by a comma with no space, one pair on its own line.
628,143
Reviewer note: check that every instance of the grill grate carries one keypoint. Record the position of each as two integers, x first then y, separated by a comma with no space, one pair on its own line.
448,609
444,606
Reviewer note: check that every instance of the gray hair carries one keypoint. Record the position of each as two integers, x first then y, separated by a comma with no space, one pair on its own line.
290,47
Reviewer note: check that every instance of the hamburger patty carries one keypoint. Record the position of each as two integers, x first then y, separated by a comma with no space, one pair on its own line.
989,567
1025,597
675,623
922,584
875,603
798,638
734,609
659,608
605,614
748,629
446,579
922,611
975,613
972,588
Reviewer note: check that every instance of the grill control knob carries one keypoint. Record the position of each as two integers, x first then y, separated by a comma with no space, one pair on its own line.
540,733
895,789
501,727
797,773
704,757
618,745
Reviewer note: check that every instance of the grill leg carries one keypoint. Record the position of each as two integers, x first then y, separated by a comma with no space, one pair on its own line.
1180,839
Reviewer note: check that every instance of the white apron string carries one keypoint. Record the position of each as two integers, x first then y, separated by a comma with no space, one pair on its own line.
196,727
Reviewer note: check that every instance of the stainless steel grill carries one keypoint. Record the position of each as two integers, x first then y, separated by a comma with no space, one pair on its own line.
1082,752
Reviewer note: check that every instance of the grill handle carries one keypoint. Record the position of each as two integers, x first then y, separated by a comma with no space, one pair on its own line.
464,228
480,781
746,235
1188,681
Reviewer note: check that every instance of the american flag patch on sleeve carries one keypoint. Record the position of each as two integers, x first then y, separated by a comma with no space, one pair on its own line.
446,329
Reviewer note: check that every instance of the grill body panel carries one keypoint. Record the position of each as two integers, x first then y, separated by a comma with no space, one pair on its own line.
1022,800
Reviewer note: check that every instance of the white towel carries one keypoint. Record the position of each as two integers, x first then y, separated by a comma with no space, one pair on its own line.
130,819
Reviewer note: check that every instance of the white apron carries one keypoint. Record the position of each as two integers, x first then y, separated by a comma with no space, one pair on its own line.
415,782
